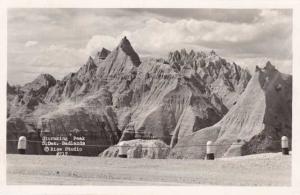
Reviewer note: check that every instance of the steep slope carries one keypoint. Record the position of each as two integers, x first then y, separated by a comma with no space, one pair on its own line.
256,122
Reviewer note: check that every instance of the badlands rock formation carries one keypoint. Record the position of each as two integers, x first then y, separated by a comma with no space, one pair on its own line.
116,96
138,148
255,124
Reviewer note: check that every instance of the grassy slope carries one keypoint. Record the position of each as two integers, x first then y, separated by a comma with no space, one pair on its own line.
266,169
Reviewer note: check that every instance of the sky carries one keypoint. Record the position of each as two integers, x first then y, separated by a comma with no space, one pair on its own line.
59,41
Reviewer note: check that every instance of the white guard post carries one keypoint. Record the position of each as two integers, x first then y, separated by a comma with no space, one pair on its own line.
210,151
22,145
285,145
123,148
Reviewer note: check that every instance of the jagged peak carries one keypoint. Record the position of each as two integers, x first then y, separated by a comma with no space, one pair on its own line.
10,88
90,63
45,76
183,52
257,68
90,60
178,56
212,53
269,67
126,47
46,79
103,53
124,42
192,53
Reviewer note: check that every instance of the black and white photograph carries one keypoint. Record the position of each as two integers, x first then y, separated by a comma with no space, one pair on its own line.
149,97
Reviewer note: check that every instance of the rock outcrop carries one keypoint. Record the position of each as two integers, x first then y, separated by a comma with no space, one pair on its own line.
101,56
224,79
152,149
122,61
26,99
10,89
262,114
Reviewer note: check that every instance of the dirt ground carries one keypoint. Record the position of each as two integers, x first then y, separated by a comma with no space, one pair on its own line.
254,170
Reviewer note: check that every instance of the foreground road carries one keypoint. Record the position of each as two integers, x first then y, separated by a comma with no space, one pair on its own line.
264,169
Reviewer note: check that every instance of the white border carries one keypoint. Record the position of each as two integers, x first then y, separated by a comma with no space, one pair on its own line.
39,189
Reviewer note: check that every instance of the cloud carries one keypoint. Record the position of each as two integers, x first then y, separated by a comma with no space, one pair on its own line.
30,43
268,37
218,15
98,41
66,37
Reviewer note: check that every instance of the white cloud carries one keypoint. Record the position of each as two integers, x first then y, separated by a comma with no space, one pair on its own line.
158,37
30,43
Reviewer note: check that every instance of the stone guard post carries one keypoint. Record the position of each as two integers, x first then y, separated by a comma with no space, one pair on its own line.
22,145
123,147
285,145
210,151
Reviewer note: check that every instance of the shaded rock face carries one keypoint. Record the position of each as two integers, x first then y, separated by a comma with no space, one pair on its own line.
10,89
262,114
126,47
101,55
16,128
224,79
159,99
152,149
97,128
